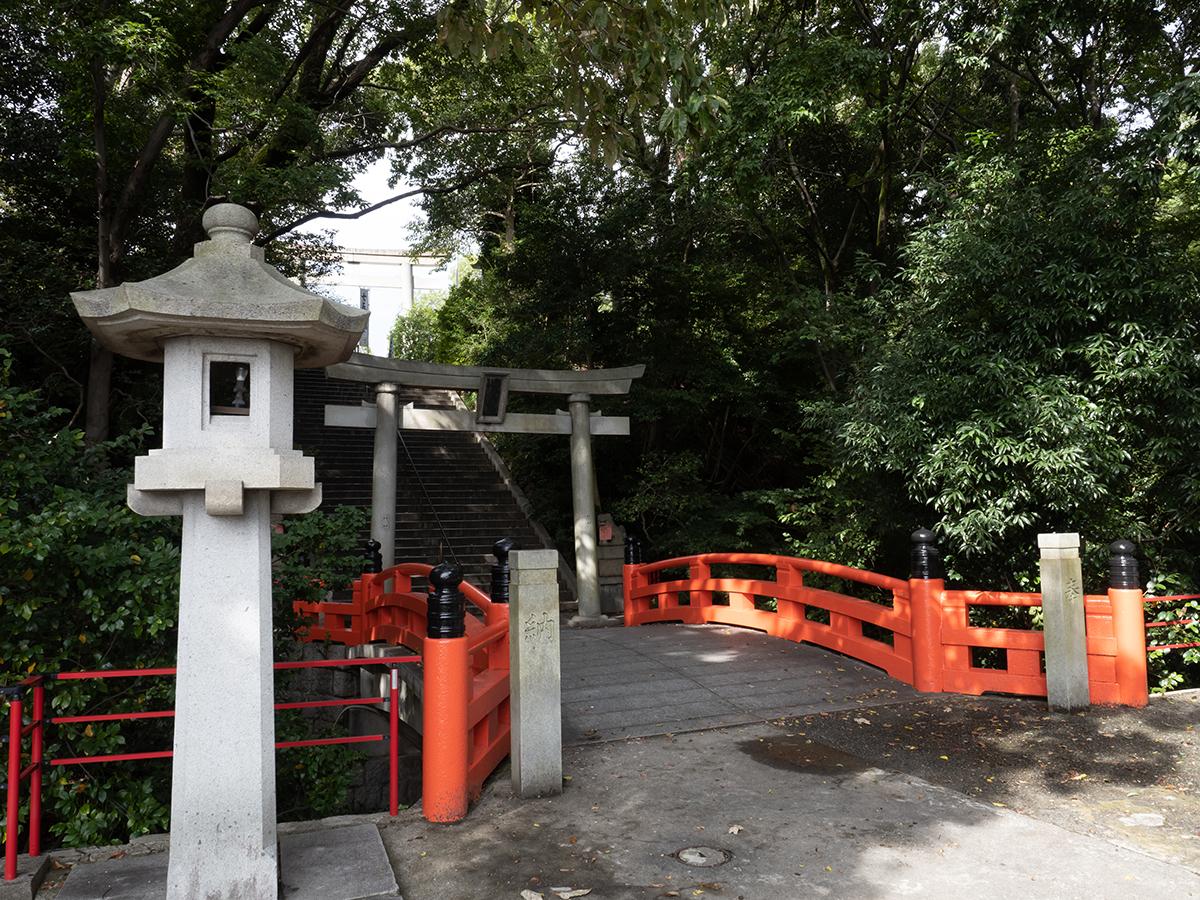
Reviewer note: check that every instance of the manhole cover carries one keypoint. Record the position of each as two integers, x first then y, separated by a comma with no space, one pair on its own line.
705,857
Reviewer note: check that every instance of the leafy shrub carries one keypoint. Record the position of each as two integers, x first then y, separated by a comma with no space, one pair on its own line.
85,584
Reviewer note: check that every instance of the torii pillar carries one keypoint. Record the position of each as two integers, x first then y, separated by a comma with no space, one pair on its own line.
583,502
383,473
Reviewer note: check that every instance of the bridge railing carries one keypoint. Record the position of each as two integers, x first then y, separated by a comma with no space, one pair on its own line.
919,632
989,659
780,603
466,722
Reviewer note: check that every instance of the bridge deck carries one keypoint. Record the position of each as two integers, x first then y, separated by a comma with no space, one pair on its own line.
666,679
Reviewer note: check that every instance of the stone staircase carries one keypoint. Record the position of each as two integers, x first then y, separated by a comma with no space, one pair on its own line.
462,487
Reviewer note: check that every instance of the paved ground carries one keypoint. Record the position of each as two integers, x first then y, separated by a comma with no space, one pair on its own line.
817,777
668,679
798,819
1129,776
342,861
833,797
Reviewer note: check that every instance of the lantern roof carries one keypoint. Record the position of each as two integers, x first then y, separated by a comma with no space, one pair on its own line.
225,290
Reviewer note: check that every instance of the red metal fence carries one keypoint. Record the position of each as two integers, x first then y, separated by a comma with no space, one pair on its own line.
35,728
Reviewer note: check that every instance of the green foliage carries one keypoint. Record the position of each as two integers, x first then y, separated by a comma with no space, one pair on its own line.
312,555
1178,667
85,584
1042,326
415,334
626,62
936,266
312,782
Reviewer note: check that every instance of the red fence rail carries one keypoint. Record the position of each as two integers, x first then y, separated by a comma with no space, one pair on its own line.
1177,600
467,722
35,686
918,631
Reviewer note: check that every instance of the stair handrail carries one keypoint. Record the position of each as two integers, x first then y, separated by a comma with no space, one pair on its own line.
421,483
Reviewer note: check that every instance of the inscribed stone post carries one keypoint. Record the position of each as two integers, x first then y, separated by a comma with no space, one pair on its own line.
1064,623
535,682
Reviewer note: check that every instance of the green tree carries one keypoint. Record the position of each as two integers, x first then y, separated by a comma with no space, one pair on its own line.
415,334
158,107
1036,371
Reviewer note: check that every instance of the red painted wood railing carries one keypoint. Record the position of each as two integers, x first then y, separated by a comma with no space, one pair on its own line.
465,679
919,633
651,596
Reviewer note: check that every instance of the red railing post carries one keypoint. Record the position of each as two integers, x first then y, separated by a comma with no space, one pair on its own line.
633,558
394,743
1129,623
445,759
926,586
358,603
35,775
13,806
627,587
698,570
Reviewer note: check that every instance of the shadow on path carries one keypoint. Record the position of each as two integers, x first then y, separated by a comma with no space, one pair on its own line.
823,800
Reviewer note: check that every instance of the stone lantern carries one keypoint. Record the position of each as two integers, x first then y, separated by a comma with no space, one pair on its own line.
229,330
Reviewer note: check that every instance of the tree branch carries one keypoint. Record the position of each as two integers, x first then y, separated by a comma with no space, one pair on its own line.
139,178
358,214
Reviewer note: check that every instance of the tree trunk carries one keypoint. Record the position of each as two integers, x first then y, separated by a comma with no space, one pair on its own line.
99,382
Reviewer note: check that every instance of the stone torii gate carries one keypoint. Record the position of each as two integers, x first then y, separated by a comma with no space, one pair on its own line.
490,416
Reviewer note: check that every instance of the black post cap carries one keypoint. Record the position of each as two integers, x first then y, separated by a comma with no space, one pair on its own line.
501,573
447,615
1123,572
926,559
374,556
502,548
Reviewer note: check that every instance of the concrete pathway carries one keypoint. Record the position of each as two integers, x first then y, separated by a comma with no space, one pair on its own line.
668,679
316,862
792,818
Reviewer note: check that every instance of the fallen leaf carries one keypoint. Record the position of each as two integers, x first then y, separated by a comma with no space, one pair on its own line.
946,758
861,721
532,895
569,893
735,829
572,839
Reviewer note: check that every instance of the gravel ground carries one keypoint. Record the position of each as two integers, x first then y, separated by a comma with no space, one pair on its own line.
1130,776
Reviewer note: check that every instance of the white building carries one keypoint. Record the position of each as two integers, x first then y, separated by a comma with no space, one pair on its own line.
386,282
